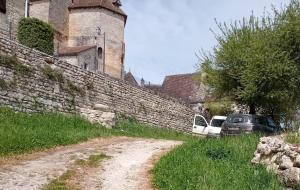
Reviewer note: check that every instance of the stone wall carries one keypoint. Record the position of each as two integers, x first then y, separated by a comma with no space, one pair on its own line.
40,10
59,15
280,157
54,12
83,92
86,60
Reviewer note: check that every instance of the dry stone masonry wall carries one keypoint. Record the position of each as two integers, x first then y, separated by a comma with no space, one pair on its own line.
53,85
281,158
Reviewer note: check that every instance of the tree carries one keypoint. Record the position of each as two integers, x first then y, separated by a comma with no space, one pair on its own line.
256,61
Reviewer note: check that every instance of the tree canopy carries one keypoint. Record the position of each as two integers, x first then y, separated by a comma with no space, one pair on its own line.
257,61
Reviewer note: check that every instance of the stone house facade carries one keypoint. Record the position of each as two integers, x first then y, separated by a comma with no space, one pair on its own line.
80,24
82,56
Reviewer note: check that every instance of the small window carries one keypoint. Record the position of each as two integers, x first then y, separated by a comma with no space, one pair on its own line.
85,66
3,6
100,53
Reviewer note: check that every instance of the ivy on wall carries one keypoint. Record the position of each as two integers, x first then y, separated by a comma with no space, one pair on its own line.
36,34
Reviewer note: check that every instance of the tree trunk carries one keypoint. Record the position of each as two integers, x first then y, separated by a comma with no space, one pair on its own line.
252,109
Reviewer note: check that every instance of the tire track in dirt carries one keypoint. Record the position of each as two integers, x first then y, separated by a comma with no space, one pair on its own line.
126,168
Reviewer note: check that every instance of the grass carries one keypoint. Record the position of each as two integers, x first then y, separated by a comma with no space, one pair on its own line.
21,133
92,161
132,128
205,164
293,138
210,164
61,182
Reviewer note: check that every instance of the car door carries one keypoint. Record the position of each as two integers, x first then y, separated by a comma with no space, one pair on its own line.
262,124
200,125
272,127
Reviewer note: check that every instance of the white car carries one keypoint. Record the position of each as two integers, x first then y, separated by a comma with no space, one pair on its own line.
202,127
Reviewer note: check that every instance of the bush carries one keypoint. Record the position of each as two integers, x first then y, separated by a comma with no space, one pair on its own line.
219,108
36,34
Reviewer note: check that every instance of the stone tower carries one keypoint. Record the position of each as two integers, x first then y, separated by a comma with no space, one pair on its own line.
89,33
100,23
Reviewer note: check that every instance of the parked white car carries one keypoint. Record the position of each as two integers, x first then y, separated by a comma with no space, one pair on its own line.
202,127
217,121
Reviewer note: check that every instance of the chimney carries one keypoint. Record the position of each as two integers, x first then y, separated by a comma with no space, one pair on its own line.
117,3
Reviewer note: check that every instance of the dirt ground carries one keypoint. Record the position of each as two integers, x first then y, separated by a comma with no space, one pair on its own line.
128,165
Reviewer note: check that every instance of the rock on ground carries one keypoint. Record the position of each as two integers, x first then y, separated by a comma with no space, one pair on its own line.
281,158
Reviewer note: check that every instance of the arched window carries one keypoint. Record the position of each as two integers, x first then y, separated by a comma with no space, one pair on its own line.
85,66
100,53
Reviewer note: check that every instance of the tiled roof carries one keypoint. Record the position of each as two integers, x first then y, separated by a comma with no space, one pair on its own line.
72,51
107,4
184,87
130,78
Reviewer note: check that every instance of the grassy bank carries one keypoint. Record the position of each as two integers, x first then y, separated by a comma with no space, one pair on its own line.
22,133
210,164
198,164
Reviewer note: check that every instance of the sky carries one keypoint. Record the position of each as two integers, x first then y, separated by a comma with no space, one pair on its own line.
163,36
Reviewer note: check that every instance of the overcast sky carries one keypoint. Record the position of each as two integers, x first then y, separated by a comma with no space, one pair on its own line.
162,36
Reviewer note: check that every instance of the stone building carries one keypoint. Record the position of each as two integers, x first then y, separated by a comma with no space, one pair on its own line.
131,79
11,11
94,24
184,87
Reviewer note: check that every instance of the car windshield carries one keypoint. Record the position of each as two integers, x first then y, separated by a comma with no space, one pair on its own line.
271,122
217,122
238,119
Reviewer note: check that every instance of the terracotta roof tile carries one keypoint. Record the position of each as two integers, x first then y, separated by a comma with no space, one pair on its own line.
184,87
130,78
72,51
107,4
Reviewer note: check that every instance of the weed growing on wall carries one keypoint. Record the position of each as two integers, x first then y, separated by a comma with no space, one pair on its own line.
58,76
53,74
13,63
3,84
89,83
36,34
73,89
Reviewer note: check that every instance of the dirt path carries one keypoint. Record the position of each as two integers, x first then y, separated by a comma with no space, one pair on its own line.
127,168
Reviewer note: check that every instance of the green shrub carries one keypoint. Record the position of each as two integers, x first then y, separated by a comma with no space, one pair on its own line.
219,108
36,34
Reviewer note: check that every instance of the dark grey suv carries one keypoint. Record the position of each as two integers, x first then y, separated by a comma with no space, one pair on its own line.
245,123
